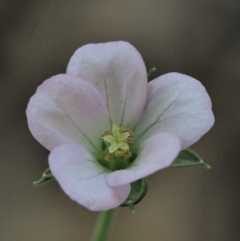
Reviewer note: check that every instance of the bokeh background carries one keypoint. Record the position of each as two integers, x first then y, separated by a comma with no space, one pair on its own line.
200,38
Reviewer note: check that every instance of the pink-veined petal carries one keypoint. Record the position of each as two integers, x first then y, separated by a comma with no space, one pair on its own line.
117,70
156,153
179,104
83,179
65,109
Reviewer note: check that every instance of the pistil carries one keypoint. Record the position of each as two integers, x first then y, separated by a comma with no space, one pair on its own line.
118,140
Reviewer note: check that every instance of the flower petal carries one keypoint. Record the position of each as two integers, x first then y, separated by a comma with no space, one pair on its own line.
156,153
68,109
179,104
83,179
117,70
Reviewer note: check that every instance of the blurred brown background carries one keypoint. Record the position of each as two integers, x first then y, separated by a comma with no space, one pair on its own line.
200,38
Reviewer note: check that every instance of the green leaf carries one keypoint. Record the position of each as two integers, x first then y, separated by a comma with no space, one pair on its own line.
138,191
150,73
46,176
188,158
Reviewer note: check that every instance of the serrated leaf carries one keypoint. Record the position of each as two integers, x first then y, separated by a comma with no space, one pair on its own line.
188,158
46,177
138,191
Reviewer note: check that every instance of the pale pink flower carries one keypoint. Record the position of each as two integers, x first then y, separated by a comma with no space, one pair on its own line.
105,85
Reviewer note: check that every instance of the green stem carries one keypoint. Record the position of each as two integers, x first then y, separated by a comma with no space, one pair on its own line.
103,226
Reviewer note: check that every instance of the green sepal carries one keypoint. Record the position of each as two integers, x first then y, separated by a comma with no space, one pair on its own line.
46,176
150,73
188,158
138,191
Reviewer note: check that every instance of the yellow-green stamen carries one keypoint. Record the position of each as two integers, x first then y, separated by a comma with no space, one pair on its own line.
118,140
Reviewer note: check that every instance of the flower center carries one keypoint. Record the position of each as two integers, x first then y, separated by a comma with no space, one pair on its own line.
117,140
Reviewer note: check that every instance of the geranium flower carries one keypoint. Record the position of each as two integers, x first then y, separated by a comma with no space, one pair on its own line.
107,127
